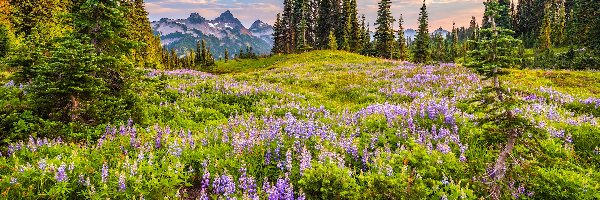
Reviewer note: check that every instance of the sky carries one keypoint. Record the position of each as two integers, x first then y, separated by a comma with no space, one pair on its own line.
442,13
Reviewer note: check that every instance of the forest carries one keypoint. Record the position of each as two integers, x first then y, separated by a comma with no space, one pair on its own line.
94,106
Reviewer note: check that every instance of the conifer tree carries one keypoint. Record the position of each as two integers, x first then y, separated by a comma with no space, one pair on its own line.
332,45
324,24
365,37
199,59
402,46
226,55
288,26
454,47
4,40
355,29
545,41
278,36
421,52
384,33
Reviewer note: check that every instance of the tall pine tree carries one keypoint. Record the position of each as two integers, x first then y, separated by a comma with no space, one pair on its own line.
421,45
384,33
402,46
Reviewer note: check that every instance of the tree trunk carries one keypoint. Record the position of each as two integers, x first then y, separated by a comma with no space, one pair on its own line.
500,167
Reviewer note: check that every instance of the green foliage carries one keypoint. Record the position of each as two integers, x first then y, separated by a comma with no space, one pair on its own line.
4,41
69,82
384,33
328,182
497,51
421,52
332,45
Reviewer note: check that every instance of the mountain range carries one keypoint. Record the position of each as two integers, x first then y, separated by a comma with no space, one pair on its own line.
225,31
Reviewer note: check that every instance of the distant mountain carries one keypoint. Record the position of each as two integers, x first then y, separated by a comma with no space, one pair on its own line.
263,31
441,31
225,31
410,34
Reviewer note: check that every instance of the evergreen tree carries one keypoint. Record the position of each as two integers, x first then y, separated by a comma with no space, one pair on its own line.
324,24
587,23
355,28
472,31
287,26
503,17
70,82
544,40
365,38
402,46
345,40
301,35
226,55
384,33
139,30
4,40
200,59
438,48
278,36
421,52
332,41
498,51
454,51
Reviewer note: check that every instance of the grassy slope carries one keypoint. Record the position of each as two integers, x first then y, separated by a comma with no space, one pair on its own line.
578,83
317,64
326,77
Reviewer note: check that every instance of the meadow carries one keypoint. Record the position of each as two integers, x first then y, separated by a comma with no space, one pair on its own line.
319,125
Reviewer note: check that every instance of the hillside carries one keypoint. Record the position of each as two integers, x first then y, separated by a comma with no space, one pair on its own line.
355,121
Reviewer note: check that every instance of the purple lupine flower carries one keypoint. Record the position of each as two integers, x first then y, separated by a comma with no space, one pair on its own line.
288,160
104,172
61,175
122,185
81,179
268,157
205,179
224,185
13,180
203,195
247,184
175,149
132,138
42,164
158,139
305,159
443,147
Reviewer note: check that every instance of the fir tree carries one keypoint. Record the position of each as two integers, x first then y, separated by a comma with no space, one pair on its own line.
498,51
200,59
226,55
287,26
545,41
402,46
324,24
421,52
278,36
332,41
70,82
365,37
384,33
4,40
355,28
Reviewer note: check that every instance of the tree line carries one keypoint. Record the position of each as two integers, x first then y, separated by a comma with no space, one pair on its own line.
334,24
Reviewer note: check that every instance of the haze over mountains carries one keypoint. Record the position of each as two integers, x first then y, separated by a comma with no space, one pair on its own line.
225,31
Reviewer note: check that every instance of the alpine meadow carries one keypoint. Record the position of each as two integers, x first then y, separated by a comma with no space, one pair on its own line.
317,99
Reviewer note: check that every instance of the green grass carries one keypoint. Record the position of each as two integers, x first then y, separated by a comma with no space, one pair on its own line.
577,83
